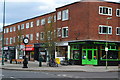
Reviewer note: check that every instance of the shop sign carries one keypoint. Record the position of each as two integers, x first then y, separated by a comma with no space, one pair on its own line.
5,48
11,48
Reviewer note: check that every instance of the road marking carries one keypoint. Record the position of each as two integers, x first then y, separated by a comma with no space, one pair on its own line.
11,77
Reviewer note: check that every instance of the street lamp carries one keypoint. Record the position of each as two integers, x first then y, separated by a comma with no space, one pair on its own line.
3,33
106,47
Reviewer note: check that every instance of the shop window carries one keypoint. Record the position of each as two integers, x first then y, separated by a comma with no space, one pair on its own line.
75,54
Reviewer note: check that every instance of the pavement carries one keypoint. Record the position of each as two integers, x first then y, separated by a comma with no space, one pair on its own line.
34,66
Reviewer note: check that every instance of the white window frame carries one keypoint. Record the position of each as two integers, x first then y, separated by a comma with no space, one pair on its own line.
101,31
119,12
18,27
65,15
31,37
66,34
14,28
27,25
41,35
11,29
7,30
116,30
6,41
59,15
58,32
109,8
31,24
43,21
54,18
49,19
11,40
38,22
27,35
22,26
37,36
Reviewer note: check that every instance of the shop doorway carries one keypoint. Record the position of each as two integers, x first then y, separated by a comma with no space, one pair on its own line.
89,57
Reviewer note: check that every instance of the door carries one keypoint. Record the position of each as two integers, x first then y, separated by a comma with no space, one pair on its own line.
89,57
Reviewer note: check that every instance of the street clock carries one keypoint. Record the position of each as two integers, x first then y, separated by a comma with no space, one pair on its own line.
26,40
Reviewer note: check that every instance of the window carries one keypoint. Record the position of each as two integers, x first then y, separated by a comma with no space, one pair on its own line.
105,29
27,25
118,31
41,36
31,24
31,36
6,41
49,19
27,35
118,12
4,30
14,28
65,15
37,36
37,22
7,30
58,32
11,29
105,10
59,15
22,26
64,32
54,18
11,40
43,21
18,27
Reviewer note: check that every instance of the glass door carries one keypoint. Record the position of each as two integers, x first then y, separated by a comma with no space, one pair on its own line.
89,56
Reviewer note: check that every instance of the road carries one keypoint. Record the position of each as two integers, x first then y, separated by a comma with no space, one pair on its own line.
19,75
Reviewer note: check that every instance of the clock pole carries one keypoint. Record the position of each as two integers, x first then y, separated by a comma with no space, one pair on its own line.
25,62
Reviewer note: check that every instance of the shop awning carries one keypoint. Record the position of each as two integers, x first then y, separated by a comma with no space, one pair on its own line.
28,49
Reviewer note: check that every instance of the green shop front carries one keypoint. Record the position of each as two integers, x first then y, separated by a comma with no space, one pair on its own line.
93,52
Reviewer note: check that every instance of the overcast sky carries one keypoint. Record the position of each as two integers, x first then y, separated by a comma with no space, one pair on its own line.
18,10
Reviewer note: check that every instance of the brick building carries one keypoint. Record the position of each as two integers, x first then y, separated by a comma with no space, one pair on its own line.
0,43
83,29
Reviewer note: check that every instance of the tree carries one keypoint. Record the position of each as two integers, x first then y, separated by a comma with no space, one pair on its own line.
18,40
50,37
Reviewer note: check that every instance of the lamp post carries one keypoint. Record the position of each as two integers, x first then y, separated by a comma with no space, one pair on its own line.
3,33
106,47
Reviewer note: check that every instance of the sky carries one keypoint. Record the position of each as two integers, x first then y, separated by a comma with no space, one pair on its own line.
19,10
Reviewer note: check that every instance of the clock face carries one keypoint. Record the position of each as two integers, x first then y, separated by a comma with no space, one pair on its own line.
25,41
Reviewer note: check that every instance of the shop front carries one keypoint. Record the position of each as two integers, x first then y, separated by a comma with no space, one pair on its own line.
29,52
93,52
40,50
9,52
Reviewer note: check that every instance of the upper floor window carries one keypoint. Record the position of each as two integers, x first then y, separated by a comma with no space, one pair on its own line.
7,30
11,29
118,12
18,27
64,32
58,32
105,29
38,22
118,31
49,19
27,25
27,35
41,35
54,18
59,15
37,36
6,41
31,24
14,28
43,21
65,15
31,36
11,40
22,26
105,10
